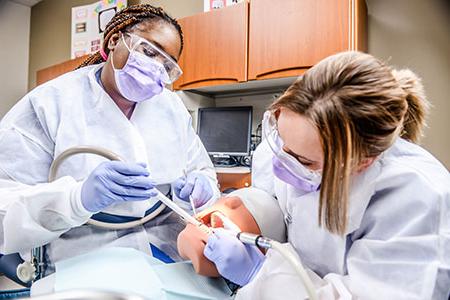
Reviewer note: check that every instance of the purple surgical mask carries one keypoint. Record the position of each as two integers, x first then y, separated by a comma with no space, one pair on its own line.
296,181
141,78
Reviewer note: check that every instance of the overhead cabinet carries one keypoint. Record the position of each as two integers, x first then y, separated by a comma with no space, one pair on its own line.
215,48
264,39
287,38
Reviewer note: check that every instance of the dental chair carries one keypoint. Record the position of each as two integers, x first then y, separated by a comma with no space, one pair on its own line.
8,269
91,295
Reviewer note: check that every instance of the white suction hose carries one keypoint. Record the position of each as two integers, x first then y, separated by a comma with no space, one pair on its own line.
294,260
296,263
111,156
129,224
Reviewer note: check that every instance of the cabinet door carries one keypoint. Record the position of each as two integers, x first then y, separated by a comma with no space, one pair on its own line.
235,181
54,71
287,37
215,47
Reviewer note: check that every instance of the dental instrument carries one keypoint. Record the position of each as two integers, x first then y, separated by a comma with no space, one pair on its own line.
191,200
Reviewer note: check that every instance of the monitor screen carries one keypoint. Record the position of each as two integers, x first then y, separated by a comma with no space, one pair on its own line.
226,130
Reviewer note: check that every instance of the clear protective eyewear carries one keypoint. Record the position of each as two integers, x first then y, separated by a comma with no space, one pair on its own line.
270,131
149,49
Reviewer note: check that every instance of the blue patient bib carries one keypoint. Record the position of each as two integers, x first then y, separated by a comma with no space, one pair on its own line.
130,271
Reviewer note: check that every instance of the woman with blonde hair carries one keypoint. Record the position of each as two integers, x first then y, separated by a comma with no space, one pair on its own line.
366,208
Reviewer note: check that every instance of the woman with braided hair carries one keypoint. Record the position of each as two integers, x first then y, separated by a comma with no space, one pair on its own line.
115,100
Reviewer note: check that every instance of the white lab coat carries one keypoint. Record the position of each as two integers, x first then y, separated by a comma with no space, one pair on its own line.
73,110
396,246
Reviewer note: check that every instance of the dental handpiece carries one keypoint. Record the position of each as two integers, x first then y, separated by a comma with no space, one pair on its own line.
253,239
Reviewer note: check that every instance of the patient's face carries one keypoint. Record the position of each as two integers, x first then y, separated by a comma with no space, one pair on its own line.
192,240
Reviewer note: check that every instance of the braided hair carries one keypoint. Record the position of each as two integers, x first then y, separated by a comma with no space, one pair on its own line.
124,20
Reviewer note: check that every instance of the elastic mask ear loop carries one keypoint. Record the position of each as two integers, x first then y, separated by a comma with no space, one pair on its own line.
112,54
123,40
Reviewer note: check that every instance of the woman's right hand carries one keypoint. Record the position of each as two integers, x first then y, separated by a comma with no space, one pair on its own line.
115,182
235,261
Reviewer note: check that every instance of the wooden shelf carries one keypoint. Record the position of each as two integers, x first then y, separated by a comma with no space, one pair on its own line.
233,170
234,180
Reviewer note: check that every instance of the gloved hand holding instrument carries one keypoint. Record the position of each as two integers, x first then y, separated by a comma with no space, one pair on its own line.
114,182
194,188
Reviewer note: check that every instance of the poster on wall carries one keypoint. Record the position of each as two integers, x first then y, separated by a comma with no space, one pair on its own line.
88,24
218,4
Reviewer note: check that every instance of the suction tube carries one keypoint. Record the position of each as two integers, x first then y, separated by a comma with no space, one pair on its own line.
263,242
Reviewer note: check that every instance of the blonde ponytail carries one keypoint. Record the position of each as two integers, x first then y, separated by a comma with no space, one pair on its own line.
415,117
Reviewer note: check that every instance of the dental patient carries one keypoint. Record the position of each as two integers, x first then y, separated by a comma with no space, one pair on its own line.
250,209
133,272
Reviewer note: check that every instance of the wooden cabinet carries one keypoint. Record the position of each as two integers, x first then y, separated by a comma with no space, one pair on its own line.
260,39
266,39
54,71
215,47
290,36
235,178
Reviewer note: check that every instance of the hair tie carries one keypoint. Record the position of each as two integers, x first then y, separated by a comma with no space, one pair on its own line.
103,54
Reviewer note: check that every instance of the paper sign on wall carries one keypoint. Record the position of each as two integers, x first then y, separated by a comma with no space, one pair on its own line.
88,24
218,4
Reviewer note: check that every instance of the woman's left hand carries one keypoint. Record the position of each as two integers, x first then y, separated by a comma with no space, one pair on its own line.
234,260
196,186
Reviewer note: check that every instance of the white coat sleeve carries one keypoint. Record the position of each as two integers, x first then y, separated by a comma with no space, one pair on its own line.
32,212
400,251
402,247
262,175
277,279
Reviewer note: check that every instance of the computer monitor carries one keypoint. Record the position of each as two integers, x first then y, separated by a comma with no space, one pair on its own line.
225,131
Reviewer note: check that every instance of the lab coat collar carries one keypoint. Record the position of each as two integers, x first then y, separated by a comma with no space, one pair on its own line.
102,101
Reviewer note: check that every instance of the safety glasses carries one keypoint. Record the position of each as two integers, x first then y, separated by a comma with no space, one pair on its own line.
270,131
150,50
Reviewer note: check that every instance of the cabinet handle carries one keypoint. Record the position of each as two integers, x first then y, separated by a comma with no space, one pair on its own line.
222,81
281,71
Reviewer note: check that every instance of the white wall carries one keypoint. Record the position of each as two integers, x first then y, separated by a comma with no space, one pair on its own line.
260,102
15,36
193,102
415,34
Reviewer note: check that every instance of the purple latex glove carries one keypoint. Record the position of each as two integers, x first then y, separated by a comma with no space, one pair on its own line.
234,260
114,182
195,185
